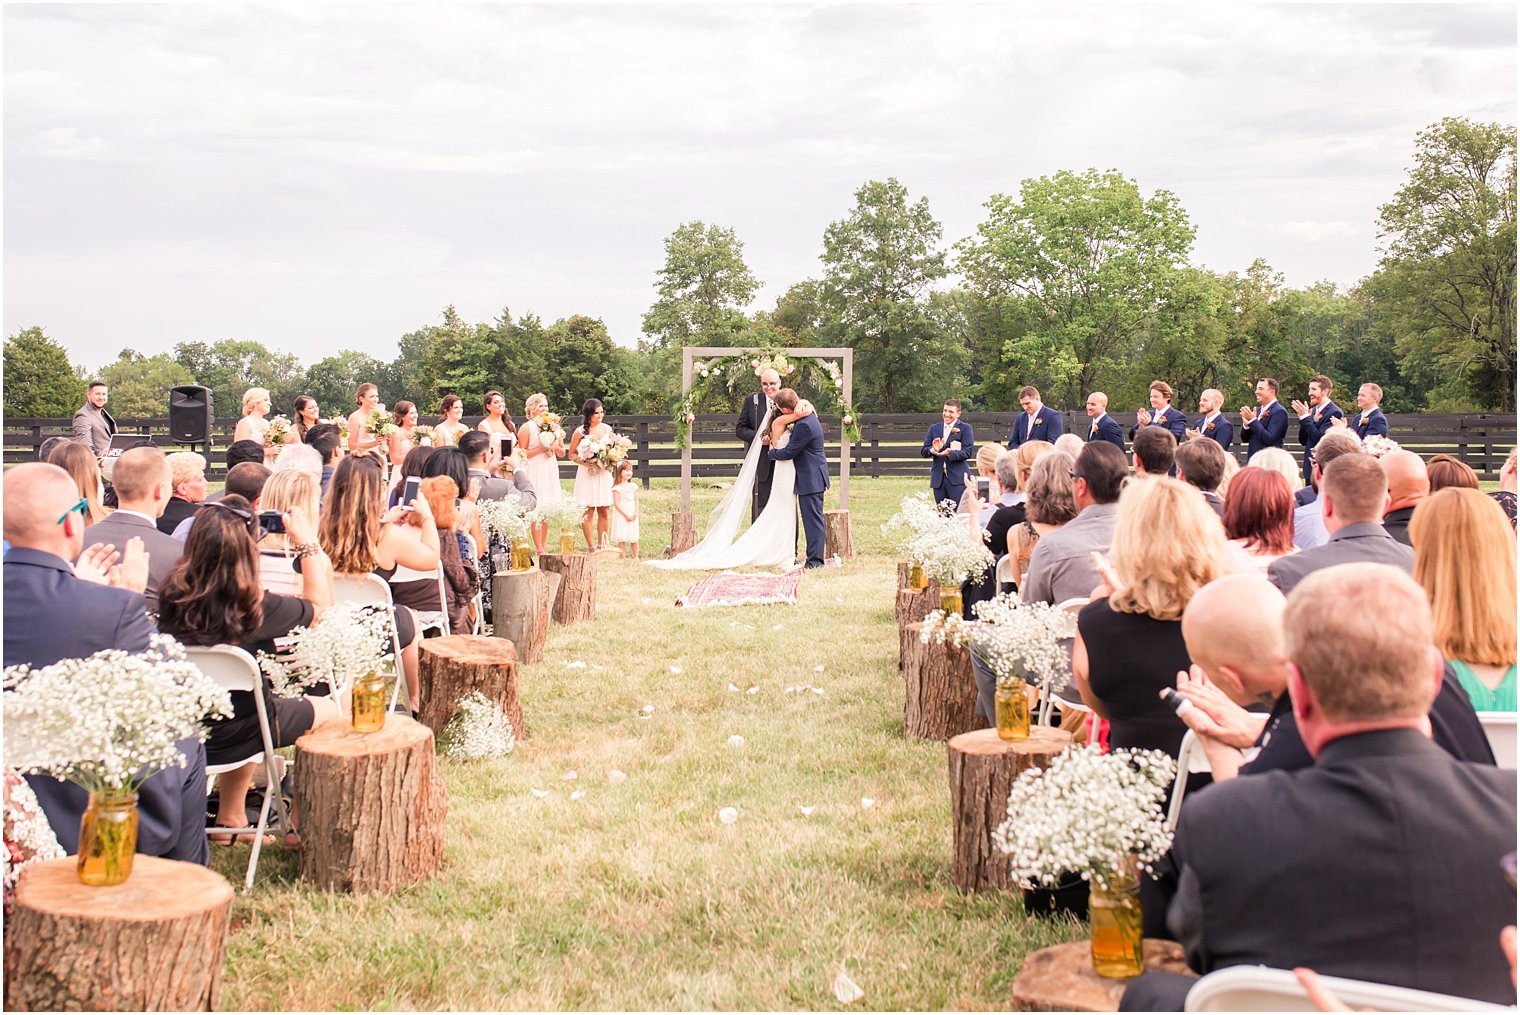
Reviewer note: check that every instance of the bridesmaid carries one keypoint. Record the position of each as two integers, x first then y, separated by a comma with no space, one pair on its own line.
305,417
253,426
404,439
360,436
447,433
539,451
593,483
499,425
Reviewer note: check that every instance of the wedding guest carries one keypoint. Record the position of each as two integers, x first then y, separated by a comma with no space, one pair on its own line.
212,597
245,480
93,426
1154,450
1048,507
593,482
755,416
1258,519
404,415
1370,421
1038,423
1103,427
1167,545
1464,558
304,416
1408,486
625,510
1315,417
84,468
327,441
1447,471
144,485
1200,464
1308,517
45,449
1361,692
540,445
413,465
1267,425
476,447
1009,508
498,426
1352,491
1161,414
986,468
1279,461
284,491
300,458
949,443
447,433
239,452
1231,468
1061,566
422,595
451,462
187,471
1505,495
361,434
1213,423
1070,443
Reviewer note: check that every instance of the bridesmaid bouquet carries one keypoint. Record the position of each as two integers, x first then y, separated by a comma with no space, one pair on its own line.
278,432
589,453
423,435
341,422
380,423
550,433
613,450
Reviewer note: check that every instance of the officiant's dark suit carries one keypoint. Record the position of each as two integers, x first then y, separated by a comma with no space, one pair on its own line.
754,415
805,449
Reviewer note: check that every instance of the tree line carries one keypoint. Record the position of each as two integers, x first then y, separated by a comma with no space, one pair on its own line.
1080,282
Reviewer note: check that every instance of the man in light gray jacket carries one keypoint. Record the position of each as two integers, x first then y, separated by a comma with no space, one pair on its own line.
476,445
1061,566
93,426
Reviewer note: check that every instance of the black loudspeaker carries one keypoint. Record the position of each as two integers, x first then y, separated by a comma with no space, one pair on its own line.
190,414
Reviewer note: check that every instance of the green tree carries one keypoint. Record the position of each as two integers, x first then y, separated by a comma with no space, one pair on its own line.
1093,260
704,287
231,366
140,384
39,381
580,357
1446,281
334,380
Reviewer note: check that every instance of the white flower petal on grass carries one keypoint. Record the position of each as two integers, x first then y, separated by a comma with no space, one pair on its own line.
579,664
676,669
807,811
540,793
866,803
570,775
753,690
816,690
616,775
777,627
731,687
818,668
645,600
728,815
846,989
577,794
647,710
736,741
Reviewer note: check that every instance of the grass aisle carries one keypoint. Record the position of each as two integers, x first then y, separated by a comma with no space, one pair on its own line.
635,896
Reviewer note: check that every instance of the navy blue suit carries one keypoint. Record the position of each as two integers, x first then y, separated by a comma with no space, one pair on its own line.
805,450
1048,425
1174,420
1310,430
1267,430
52,615
1375,424
1106,428
947,476
1221,431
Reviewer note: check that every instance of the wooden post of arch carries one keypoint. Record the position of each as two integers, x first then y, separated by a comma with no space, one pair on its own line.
683,527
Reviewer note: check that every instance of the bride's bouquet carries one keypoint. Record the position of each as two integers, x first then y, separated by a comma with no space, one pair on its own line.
341,422
278,432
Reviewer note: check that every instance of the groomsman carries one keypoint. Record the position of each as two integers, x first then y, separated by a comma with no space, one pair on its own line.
1267,426
1371,420
1213,424
1161,413
1104,427
754,416
1038,423
949,443
1315,418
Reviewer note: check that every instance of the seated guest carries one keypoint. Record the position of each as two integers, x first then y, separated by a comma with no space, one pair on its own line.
476,446
1008,507
1061,566
1287,869
1155,450
1279,460
212,597
1505,495
1231,468
50,614
986,468
279,567
245,480
1352,493
452,463
144,485
1258,519
1200,463
423,595
1446,471
1167,545
1408,485
1464,557
45,449
412,465
239,452
187,472
1071,444
1048,507
81,464
300,458
1309,518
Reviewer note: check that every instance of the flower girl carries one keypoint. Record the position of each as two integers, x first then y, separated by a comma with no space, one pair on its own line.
625,510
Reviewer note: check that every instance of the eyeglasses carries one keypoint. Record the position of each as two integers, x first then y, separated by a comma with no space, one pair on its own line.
248,518
83,507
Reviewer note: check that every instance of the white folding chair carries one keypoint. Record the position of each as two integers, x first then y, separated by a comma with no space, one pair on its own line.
236,670
1189,756
1047,699
429,619
1500,729
1262,988
1004,574
479,601
371,590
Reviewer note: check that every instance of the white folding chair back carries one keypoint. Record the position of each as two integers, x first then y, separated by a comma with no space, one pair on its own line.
429,619
1047,699
277,573
1262,988
372,590
1188,757
236,670
1004,574
1500,728
480,608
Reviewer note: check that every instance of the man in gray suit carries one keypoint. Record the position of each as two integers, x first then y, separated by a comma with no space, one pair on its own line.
93,426
1061,566
1353,492
143,487
476,445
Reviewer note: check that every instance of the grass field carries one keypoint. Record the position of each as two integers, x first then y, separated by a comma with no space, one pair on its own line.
635,896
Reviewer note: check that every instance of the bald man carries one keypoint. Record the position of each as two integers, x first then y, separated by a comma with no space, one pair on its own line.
1408,484
1213,424
1104,427
143,485
754,416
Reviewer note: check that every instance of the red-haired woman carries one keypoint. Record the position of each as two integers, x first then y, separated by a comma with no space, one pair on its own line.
1258,518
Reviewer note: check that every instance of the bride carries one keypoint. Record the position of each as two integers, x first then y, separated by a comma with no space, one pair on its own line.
772,540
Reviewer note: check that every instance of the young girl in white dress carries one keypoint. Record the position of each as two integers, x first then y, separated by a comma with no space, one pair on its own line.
593,483
625,510
540,451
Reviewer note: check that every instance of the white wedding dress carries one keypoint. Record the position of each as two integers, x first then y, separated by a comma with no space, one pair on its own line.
770,542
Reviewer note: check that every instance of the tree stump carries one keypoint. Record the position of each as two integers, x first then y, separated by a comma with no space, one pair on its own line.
371,806
521,602
911,608
1061,978
836,535
940,699
683,533
983,768
576,598
154,943
452,667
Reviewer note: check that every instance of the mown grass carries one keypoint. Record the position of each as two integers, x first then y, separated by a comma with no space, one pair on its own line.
635,896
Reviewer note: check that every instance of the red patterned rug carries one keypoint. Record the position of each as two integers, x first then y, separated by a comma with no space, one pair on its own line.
732,589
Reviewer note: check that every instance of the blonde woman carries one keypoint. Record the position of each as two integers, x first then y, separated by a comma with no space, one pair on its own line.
187,478
253,426
539,449
1464,557
986,468
361,436
1278,460
285,489
84,468
1168,544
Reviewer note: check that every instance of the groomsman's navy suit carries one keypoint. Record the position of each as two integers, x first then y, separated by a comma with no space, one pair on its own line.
1106,428
1173,419
1314,426
1268,430
1375,424
947,476
1048,425
1222,431
805,450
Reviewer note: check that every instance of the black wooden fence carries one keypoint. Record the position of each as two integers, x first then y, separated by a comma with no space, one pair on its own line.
889,445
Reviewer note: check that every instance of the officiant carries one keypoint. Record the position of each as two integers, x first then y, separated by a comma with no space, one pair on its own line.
754,416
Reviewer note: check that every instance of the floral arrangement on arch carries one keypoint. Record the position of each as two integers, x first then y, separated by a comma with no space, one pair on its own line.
737,372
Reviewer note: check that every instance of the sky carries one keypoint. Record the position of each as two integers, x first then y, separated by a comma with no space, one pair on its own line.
320,177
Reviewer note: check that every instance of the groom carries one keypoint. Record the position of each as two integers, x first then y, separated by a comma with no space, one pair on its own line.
806,450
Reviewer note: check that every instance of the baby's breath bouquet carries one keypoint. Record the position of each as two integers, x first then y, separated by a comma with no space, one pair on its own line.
1021,642
109,721
942,627
565,513
278,432
915,514
1094,813
349,641
480,729
506,518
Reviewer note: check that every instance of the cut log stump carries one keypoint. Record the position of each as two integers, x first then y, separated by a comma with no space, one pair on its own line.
576,599
371,806
452,667
156,942
683,533
940,692
911,608
1061,978
521,602
983,768
837,540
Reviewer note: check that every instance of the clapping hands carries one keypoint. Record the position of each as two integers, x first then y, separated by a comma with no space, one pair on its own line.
1143,417
102,565
1247,414
1214,715
1302,408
